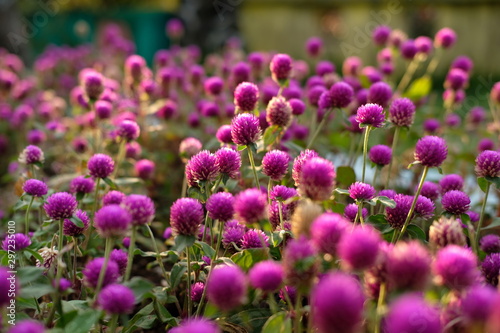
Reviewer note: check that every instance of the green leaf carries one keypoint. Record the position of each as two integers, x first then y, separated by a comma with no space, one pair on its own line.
377,220
388,234
345,176
127,181
20,205
195,193
140,286
249,257
494,224
253,147
26,275
483,184
34,254
465,218
205,248
412,164
494,180
83,322
252,320
110,183
419,88
386,201
416,232
36,290
176,274
183,241
277,237
278,323
79,196
341,191
162,313
270,135
38,164
77,221
242,147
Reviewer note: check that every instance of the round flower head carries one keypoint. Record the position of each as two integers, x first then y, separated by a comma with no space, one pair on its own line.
80,145
144,169
220,206
101,166
116,299
60,205
456,79
408,266
93,269
121,258
402,112
445,38
358,248
396,216
424,207
202,167
240,72
188,148
103,109
341,95
81,184
281,67
133,150
186,215
35,137
299,162
140,207
455,202
476,115
35,188
408,49
412,314
495,93
128,130
254,239
213,86
431,151
314,94
379,93
31,155
195,325
314,46
351,210
112,221
226,287
266,275
337,304
317,179
233,233
424,45
380,155
275,164
485,144
113,198
370,115
491,268
446,231
17,243
430,190
327,230
278,112
298,263
298,107
224,134
324,67
380,35
478,303
488,164
197,291
70,229
246,96
134,67
490,244
387,193
361,191
93,84
456,267
250,205
245,129
27,326
228,161
451,182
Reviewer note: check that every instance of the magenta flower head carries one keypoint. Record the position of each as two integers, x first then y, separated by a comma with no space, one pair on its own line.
31,155
455,202
174,28
314,46
246,96
228,161
254,239
491,268
144,169
402,112
116,299
424,45
340,95
245,129
121,258
361,191
113,198
476,115
279,112
112,221
351,210
35,137
275,164
327,230
431,151
188,148
412,314
495,93
451,182
93,269
134,67
370,115
478,303
27,326
396,216
380,35
408,49
281,67
194,325
81,184
128,130
240,73
358,248
266,275
387,193
35,188
488,164
456,79
490,244
133,150
140,207
299,162
250,205
317,179
103,109
379,93
485,144
60,205
408,266
70,229
186,215
213,86
430,190
324,67
380,155
456,267
220,206
202,167
299,263
445,38
93,84
226,287
233,233
297,105
16,242
197,291
224,134
446,231
101,166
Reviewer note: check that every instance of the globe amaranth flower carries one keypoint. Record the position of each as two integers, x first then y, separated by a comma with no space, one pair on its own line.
188,148
456,79
337,304
266,275
424,45
27,325
299,161
377,274
226,287
70,229
451,182
31,155
358,248
213,86
202,167
144,169
488,164
275,164
485,144
370,115
431,151
491,268
361,191
299,263
380,35
193,325
224,134
351,210
228,162
431,125
408,266
233,233
128,130
455,202
340,95
93,84
93,269
140,207
246,96
36,137
314,46
314,94
490,243
317,179
297,105
446,231
430,190
112,221
81,184
254,239
101,166
476,115
133,150
456,267
245,129
279,112
35,188
387,193
220,206
60,205
408,49
410,313
116,299
402,112
113,198
240,73
324,67
121,258
445,38
380,155
186,215
15,242
396,216
379,93
281,67
478,303
282,193
327,230
424,207
250,205
103,109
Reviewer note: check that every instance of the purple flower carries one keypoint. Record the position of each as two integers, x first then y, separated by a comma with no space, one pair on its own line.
314,94
299,162
455,202
456,79
246,96
188,148
35,137
380,35
424,207
358,248
431,151
266,275
281,67
402,112
490,243
140,207
254,239
396,216
112,221
202,167
317,179
408,266
491,268
70,229
324,67
275,164
213,85
445,38
446,231
93,269
226,287
370,115
379,93
424,45
240,73
194,325
121,258
245,129
387,193
431,125
7,295
361,191
60,205
495,93
93,84
103,109
133,150
408,49
113,198
476,115
128,130
81,184
314,46
488,164
224,134
451,182
220,206
197,291
27,326
228,161
351,210
101,166
144,169
134,67
340,94
31,155
282,193
485,144
463,62
35,188
298,107
80,145
279,112
412,314
380,155
299,263
456,267
250,205
430,190
478,303
233,233
377,274
327,230
116,299
186,215
337,304
15,242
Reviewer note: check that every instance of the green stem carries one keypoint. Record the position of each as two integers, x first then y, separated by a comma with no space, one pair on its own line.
413,204
433,63
57,295
217,183
380,305
393,150
359,214
481,218
318,129
269,186
298,303
131,249
252,163
410,70
155,247
280,212
102,273
120,157
27,217
189,303
272,303
88,232
184,184
32,168
113,324
365,151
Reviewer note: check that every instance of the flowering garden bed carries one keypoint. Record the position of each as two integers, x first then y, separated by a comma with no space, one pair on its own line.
249,193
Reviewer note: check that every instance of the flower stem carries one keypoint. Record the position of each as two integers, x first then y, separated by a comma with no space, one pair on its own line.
380,305
131,249
481,218
318,129
298,303
120,157
27,217
365,151
113,324
104,268
189,303
359,214
280,212
410,70
414,203
155,247
394,143
252,163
